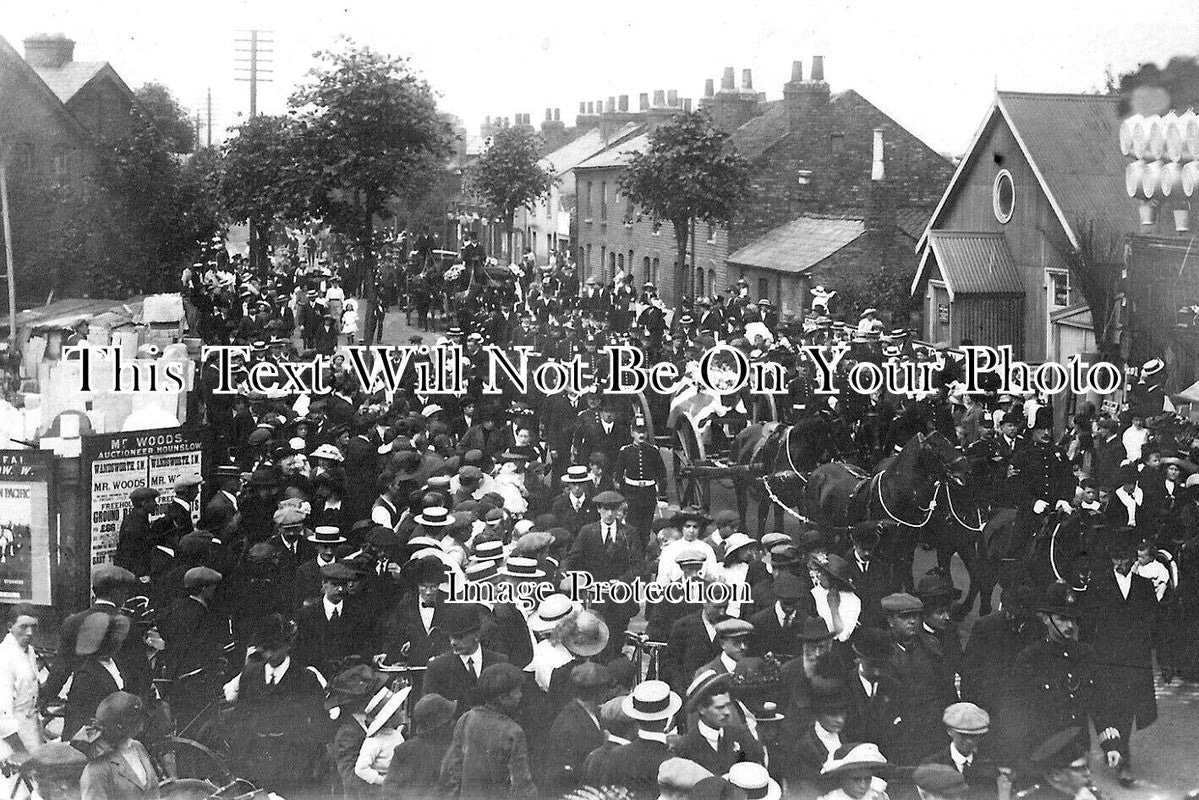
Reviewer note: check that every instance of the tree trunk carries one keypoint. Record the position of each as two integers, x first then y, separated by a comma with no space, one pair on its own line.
509,224
681,230
369,296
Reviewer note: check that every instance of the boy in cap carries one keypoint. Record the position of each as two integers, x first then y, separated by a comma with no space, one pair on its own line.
198,644
967,726
498,764
134,541
179,511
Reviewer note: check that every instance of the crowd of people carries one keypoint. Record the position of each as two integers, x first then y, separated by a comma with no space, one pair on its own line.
304,620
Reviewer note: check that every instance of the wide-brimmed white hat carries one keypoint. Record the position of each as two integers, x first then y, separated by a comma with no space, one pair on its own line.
849,757
754,780
651,701
552,612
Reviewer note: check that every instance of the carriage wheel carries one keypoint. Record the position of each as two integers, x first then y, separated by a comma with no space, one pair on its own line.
688,452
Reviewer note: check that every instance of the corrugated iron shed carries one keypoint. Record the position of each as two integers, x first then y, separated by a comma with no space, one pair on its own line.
976,263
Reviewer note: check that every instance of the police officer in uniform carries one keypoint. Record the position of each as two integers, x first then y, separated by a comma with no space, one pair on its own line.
1043,477
1064,768
1052,686
640,474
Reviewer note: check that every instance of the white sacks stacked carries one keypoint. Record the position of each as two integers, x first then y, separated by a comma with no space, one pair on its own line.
1166,153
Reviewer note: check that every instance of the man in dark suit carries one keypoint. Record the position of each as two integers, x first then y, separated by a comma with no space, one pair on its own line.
873,578
362,473
778,629
967,724
223,504
134,541
332,630
995,641
692,644
717,742
872,691
607,435
925,685
1121,625
732,635
179,510
573,508
559,423
199,642
576,730
323,539
455,675
611,551
635,765
289,548
412,631
1109,453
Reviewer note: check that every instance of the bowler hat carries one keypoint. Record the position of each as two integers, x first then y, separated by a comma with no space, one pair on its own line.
462,618
872,644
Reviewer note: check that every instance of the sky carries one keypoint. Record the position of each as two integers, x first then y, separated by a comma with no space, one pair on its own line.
932,65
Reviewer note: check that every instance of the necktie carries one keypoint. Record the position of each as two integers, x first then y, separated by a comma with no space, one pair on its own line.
336,614
870,691
470,666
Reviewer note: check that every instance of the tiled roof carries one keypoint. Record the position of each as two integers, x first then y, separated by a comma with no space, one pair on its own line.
760,133
1073,141
976,263
619,155
912,221
571,154
800,244
67,80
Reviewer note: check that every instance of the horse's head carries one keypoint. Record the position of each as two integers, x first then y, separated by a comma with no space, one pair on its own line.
943,457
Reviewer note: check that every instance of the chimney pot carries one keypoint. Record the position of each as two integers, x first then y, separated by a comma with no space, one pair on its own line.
549,115
591,108
687,104
487,121
643,100
49,50
817,68
747,80
557,115
659,98
599,106
878,169
611,105
672,98
797,71
727,80
624,102
582,107
709,87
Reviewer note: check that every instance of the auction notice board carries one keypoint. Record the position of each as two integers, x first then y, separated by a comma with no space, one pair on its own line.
116,464
25,526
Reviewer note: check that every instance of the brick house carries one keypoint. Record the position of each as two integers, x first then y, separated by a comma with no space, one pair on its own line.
810,153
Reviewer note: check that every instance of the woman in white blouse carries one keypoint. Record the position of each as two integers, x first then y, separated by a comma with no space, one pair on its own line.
833,591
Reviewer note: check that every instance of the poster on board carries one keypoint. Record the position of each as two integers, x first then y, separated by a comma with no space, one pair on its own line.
25,526
116,464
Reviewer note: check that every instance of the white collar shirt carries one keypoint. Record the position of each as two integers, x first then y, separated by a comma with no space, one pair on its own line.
275,674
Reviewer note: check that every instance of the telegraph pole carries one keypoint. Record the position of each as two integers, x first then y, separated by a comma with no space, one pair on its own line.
255,51
209,107
8,258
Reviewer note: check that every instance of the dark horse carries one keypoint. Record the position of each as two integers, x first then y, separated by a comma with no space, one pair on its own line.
901,492
777,459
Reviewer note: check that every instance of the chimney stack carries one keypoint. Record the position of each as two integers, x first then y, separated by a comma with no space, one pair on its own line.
687,104
599,106
643,99
49,51
709,87
878,170
591,108
557,115
747,80
623,103
611,105
549,115
727,83
659,98
797,71
672,97
582,107
818,69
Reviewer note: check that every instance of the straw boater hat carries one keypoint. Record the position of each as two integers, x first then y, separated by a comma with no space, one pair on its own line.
435,517
378,717
576,473
590,635
552,612
754,781
651,701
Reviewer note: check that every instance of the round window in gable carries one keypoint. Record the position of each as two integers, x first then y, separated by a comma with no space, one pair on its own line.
1003,196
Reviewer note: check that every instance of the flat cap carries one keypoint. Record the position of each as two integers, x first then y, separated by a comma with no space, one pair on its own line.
771,539
726,517
531,542
107,576
730,628
902,603
499,679
142,494
200,576
337,571
187,481
967,718
608,498
939,780
680,774
289,515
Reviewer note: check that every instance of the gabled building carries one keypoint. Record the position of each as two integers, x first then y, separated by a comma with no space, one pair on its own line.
1042,182
91,90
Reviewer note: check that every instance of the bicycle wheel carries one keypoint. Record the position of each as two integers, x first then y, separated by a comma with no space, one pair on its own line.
194,760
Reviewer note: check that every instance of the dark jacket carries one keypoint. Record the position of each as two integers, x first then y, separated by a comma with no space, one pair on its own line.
736,745
572,737
1122,633
488,758
448,677
416,765
990,653
687,649
323,643
134,543
635,767
90,683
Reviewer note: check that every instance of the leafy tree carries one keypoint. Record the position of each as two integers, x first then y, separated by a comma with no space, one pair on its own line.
687,175
509,176
260,178
367,125
162,110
